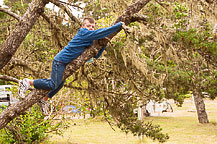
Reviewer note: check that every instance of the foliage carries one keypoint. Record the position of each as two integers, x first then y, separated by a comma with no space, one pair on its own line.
30,128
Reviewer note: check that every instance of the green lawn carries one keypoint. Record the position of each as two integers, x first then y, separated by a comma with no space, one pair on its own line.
181,125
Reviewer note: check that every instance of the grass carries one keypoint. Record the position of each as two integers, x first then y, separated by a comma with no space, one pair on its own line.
181,125
93,132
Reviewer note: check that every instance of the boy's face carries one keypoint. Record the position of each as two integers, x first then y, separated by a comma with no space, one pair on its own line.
88,25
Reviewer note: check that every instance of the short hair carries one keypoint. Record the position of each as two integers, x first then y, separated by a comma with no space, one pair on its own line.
91,20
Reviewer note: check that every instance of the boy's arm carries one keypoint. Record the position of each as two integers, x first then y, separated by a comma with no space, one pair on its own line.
98,55
91,35
100,52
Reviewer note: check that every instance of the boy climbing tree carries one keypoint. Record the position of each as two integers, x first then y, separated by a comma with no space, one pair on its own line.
84,38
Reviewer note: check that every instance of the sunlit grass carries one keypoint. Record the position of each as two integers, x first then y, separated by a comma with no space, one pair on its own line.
93,132
181,125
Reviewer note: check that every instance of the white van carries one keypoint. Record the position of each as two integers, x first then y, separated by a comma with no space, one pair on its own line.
6,96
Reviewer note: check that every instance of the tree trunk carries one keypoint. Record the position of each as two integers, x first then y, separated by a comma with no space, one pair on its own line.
13,41
18,108
200,106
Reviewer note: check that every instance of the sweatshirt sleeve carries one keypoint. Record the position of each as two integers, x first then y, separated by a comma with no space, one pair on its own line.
100,52
92,35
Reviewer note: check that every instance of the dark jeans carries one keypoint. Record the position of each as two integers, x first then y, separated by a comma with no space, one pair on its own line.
55,83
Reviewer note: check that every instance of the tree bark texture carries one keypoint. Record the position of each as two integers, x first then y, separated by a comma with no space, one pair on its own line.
197,94
18,108
16,37
200,106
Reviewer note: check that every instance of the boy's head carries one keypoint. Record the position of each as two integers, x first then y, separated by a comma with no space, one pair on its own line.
88,23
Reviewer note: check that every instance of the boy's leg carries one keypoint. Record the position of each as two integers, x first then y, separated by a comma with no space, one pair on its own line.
44,107
43,102
47,84
53,92
55,82
56,77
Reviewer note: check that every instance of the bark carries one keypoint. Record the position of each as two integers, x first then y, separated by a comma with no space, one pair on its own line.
200,106
11,44
16,109
197,94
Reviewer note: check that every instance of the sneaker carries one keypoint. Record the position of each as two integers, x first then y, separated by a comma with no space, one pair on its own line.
23,87
44,107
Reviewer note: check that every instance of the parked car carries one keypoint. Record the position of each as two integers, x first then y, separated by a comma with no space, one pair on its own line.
6,96
155,107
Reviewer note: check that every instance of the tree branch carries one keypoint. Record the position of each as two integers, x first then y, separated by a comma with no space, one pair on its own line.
10,13
70,4
138,17
54,26
67,10
16,133
18,62
8,78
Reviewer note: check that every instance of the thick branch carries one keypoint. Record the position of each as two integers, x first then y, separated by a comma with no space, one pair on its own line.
138,17
67,10
13,41
127,16
10,13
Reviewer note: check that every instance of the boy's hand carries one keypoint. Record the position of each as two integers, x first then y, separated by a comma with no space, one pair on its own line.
126,28
123,24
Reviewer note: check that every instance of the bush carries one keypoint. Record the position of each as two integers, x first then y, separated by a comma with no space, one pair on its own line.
29,128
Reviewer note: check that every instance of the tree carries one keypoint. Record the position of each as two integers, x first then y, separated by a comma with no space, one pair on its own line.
36,95
153,64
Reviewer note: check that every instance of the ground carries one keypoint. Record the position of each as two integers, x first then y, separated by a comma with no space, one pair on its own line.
181,125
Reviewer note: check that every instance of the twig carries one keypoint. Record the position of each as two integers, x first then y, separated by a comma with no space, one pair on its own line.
161,5
67,10
16,133
10,13
8,78
71,5
56,28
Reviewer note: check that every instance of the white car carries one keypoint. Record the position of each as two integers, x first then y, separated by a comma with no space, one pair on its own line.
6,96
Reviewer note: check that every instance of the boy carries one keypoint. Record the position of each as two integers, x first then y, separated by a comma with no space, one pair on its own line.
84,38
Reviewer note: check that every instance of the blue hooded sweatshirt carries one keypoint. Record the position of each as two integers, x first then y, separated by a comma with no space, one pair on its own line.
83,39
